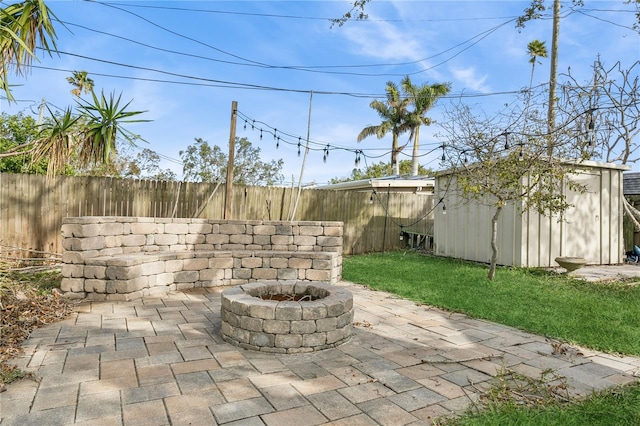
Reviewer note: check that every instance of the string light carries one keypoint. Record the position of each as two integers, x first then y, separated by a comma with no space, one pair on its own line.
358,153
245,124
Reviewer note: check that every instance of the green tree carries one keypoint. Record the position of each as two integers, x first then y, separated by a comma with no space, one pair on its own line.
423,98
24,26
146,165
81,83
204,163
489,170
382,169
18,130
394,115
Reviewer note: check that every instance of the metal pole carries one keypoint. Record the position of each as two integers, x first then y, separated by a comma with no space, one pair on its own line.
232,141
304,159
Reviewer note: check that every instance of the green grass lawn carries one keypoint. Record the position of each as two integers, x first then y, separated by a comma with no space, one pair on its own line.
605,317
615,407
602,316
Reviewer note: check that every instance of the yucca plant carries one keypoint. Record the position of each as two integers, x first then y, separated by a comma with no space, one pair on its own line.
56,142
102,124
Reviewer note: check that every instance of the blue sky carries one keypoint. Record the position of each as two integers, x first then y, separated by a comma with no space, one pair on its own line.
185,62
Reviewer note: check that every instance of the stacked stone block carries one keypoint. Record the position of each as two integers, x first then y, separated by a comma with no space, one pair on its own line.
122,258
286,326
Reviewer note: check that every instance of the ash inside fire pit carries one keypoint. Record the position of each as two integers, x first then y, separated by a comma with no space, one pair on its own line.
287,317
295,297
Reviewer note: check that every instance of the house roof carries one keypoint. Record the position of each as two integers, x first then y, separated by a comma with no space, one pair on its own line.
422,184
631,183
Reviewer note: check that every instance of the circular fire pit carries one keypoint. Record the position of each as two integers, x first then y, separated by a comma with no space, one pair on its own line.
286,317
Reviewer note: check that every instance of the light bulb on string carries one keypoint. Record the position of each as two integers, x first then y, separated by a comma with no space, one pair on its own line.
253,125
245,125
274,133
278,143
260,134
299,144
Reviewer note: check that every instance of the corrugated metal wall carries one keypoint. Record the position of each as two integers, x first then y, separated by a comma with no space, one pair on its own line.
591,229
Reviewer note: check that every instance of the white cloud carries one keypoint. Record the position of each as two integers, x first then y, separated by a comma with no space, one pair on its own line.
384,40
469,79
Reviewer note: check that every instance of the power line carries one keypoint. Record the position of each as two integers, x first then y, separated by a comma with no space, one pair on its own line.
298,17
318,69
208,82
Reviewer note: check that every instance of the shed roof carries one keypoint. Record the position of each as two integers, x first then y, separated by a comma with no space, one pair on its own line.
421,184
631,183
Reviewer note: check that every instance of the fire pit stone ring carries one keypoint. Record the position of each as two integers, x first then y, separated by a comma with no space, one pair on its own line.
286,317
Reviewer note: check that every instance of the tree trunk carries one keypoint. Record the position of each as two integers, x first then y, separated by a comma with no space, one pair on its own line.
494,243
416,153
395,166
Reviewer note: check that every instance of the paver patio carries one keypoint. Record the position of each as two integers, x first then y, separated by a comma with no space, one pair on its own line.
158,361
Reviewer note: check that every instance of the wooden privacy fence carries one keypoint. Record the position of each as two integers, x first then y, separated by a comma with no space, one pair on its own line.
32,208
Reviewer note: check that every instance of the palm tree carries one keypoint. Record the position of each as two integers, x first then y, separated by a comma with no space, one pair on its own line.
23,27
422,98
81,83
394,116
536,49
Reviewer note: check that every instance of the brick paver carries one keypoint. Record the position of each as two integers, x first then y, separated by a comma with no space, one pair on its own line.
162,361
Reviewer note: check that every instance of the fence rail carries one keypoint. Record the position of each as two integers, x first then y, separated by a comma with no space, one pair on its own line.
32,208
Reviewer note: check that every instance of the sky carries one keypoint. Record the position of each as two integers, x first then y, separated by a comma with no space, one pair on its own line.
290,70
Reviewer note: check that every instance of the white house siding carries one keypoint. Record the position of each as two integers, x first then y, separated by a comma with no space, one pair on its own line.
591,229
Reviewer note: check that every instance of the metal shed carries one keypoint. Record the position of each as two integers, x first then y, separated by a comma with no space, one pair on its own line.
592,228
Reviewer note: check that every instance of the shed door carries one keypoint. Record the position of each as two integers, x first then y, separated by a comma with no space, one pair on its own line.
581,231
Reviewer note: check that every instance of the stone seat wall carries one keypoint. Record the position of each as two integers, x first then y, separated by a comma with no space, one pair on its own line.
123,258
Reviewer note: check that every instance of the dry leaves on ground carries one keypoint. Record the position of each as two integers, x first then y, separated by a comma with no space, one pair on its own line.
26,304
